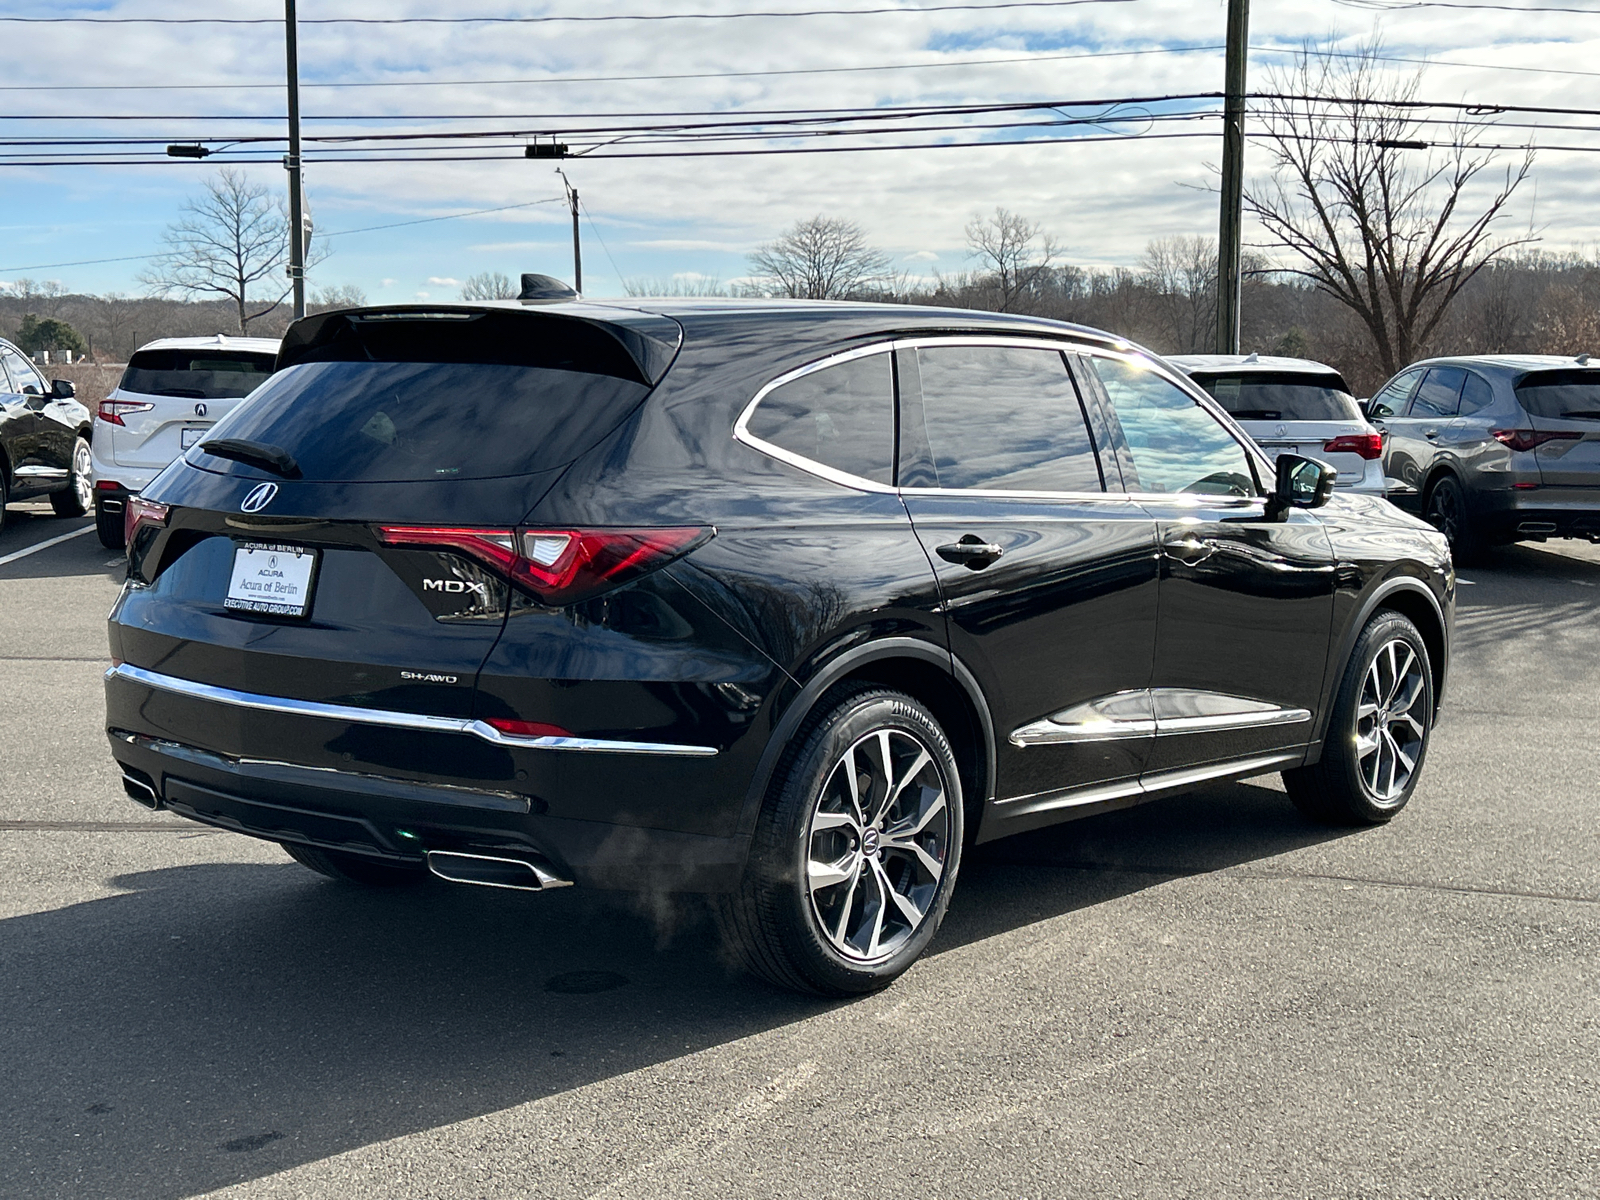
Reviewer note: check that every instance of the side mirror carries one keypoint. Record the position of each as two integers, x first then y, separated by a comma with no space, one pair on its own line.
63,389
1301,483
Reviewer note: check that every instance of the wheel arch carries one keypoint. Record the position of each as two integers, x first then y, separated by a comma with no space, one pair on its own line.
1440,470
924,671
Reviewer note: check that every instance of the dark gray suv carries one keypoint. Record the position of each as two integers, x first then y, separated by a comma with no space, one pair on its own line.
1495,448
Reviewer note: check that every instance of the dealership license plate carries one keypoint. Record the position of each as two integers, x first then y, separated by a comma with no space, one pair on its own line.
190,436
272,579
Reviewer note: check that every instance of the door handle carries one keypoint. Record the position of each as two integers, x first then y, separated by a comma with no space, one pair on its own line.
1430,434
971,552
1190,549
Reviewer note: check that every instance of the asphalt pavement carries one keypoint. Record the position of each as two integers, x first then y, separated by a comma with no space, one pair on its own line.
1205,996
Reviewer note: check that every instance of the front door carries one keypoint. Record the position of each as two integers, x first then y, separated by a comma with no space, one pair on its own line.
21,427
1246,602
1048,579
1429,424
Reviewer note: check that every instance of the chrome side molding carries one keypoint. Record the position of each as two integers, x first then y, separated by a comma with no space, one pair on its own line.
1149,785
1153,712
396,720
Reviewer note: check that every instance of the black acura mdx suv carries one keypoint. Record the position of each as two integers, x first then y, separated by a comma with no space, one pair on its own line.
785,602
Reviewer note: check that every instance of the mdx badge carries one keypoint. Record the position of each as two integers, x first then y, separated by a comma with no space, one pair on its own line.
455,586
260,496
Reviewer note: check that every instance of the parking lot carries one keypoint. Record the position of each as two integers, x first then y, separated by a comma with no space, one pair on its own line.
1205,996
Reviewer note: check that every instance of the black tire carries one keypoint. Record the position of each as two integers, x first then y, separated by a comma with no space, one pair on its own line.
355,868
5,495
1446,510
108,526
1349,785
79,494
833,938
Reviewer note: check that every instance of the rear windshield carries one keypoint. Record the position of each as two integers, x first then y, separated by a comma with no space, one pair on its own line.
1265,396
196,374
404,421
1574,395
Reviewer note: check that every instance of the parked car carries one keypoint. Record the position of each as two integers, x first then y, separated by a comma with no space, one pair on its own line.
44,438
173,390
1495,448
1294,406
780,601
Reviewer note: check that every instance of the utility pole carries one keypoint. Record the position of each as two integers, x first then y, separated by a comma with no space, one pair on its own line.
297,242
577,250
1229,231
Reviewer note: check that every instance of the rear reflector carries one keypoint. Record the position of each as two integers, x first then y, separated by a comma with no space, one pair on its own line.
527,728
559,566
112,411
1367,445
141,512
1527,439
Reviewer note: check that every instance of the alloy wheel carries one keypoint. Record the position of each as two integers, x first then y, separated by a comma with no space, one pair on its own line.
1444,512
877,845
1389,733
82,469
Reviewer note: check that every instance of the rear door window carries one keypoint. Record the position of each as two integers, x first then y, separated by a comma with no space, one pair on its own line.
204,374
1175,444
840,416
1440,393
1005,418
1282,396
1566,395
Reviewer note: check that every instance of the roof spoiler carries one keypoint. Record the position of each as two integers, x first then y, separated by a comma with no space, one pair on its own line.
621,342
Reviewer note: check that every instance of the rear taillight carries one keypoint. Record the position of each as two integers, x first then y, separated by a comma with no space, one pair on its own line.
141,512
559,566
1527,439
112,411
1367,445
530,729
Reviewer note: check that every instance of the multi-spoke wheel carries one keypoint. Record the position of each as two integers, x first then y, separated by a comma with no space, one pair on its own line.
856,849
1446,510
1378,731
76,499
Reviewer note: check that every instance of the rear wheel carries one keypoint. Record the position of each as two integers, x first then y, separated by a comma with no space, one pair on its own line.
855,852
76,499
1446,511
354,868
1378,733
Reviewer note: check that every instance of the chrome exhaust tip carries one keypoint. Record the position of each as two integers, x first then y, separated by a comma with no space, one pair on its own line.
493,870
1537,527
141,793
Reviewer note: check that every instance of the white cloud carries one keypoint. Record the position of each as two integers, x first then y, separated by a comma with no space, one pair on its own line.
443,281
921,256
692,244
422,295
388,282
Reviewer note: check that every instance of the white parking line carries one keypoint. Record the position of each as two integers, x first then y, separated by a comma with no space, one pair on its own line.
45,545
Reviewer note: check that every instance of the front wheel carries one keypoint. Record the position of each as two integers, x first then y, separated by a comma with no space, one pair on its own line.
77,498
1378,732
855,851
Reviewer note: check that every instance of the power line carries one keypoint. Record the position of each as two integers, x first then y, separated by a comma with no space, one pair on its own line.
547,20
1400,5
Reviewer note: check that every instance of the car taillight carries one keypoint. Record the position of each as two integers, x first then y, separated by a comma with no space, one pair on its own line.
528,729
112,411
141,512
559,566
1367,445
1527,439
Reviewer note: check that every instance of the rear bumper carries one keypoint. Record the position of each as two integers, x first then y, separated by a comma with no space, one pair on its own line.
129,480
1539,512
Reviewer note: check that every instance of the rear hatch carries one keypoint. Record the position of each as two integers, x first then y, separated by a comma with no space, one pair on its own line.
1294,412
169,397
1563,407
277,567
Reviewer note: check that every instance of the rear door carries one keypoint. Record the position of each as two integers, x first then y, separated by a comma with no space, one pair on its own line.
189,391
1246,603
1566,403
1047,577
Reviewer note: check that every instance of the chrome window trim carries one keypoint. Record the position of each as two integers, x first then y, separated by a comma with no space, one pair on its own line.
395,720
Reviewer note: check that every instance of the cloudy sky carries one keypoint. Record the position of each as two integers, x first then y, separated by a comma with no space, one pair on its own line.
695,217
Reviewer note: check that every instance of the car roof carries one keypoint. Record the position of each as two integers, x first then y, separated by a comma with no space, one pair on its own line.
1246,363
1506,363
216,341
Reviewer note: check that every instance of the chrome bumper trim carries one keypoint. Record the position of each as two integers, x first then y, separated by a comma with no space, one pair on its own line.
396,720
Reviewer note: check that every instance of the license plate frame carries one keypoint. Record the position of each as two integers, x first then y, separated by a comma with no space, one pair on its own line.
280,582
190,434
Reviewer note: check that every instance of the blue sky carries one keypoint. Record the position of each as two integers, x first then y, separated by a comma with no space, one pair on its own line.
701,217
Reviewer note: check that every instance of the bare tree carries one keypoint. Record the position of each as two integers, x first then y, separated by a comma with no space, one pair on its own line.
345,295
1181,272
489,285
233,243
821,259
45,298
1016,253
685,284
1376,218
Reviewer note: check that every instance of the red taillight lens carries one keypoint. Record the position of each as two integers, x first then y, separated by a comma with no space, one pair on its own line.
560,566
141,512
1527,439
112,411
1367,445
528,729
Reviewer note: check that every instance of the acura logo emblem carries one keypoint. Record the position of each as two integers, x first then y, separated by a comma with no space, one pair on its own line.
260,496
199,410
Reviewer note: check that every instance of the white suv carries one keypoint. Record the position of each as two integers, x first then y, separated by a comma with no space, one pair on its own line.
172,392
1294,406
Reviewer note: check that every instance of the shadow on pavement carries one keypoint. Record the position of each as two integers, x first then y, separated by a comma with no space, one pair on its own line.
29,523
221,1022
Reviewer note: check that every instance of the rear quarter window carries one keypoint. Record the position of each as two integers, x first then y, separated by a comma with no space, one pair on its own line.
196,374
841,416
